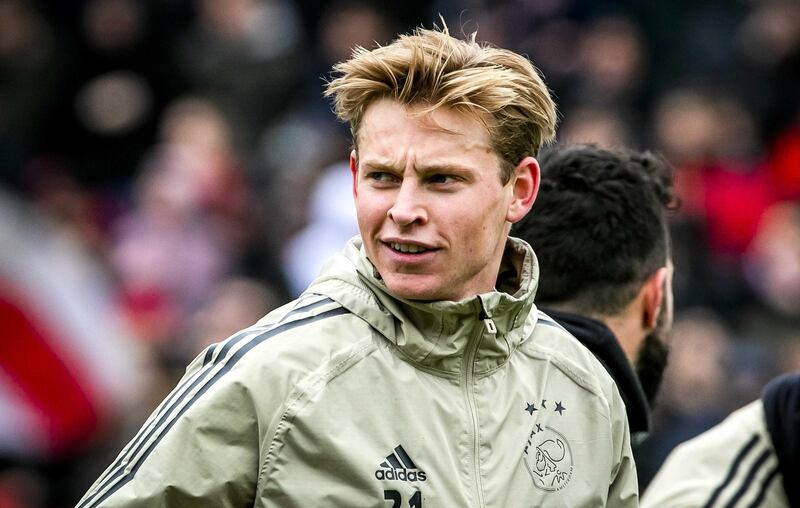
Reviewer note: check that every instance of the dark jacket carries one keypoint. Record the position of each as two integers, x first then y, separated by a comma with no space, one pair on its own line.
782,412
600,340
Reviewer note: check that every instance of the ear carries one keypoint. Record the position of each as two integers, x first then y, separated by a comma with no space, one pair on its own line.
354,172
524,187
652,295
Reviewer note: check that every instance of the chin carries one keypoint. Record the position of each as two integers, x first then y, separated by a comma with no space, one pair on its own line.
412,290
412,294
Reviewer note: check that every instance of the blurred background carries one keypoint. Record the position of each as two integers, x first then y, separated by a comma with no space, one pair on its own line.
169,172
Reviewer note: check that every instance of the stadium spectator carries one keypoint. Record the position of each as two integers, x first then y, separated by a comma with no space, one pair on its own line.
169,250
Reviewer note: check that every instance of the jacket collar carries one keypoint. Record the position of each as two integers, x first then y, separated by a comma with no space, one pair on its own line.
602,342
440,335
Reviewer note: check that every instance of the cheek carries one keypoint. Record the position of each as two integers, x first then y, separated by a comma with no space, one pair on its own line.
368,212
476,234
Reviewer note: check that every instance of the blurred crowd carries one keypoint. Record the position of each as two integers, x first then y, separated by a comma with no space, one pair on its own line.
169,172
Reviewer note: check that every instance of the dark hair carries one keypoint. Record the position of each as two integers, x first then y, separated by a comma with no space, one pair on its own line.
598,226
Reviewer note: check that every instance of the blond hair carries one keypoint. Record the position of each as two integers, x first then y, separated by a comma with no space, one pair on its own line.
433,69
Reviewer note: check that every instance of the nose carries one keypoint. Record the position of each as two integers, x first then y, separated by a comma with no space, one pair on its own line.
408,207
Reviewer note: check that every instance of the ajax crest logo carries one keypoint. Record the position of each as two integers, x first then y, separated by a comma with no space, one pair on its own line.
548,458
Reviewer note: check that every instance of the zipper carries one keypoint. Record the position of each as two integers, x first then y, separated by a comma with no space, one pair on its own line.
468,377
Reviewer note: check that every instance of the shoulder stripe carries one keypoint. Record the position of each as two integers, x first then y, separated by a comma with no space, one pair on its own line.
184,395
748,480
547,320
303,305
309,304
764,486
209,353
732,470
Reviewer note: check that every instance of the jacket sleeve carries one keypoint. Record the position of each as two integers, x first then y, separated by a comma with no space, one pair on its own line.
199,448
734,461
624,486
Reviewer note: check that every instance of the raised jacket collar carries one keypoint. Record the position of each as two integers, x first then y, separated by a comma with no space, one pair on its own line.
439,335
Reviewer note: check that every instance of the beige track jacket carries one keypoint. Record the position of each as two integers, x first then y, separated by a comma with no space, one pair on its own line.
732,464
349,397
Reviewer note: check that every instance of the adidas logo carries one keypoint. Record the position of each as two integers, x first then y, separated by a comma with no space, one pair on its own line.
399,466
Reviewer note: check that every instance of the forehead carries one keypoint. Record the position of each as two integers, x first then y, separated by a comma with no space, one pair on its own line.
392,130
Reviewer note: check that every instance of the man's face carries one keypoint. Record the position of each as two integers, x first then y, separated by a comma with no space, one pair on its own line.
651,360
432,211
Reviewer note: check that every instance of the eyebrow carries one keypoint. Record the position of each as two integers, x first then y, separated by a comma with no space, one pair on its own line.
380,166
432,168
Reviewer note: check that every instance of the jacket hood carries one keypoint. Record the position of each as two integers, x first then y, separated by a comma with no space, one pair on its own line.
438,335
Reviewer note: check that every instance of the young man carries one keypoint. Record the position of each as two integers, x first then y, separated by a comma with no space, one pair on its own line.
752,458
415,371
599,229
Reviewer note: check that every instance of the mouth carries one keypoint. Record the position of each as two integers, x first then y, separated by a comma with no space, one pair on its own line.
401,247
407,248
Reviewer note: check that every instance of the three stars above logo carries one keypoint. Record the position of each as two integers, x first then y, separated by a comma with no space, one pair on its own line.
531,408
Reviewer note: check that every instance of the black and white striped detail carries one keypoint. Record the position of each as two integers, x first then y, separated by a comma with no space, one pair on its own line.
217,361
544,319
399,466
749,476
399,459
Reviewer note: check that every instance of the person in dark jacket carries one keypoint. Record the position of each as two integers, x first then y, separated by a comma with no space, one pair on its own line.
599,229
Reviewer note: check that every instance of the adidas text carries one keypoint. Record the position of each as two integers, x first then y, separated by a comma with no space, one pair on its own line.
401,474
